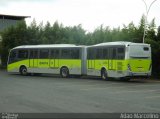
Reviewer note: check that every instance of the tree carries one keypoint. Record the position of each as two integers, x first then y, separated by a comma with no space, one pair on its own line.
158,34
33,33
155,46
140,30
151,30
13,36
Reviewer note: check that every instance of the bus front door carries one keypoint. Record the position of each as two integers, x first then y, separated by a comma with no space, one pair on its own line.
33,59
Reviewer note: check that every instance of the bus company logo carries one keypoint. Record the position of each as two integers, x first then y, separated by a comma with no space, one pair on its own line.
43,63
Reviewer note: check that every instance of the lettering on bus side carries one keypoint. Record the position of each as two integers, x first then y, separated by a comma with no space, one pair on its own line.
43,63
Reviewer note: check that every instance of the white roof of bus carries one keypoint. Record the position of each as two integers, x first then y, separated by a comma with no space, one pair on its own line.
48,46
72,45
119,43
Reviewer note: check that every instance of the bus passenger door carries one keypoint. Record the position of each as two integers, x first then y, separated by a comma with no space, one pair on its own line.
54,61
33,58
91,64
112,59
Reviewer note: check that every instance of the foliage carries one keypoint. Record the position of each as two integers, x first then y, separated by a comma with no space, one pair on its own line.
21,34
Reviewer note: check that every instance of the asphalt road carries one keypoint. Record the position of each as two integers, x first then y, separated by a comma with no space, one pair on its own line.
76,95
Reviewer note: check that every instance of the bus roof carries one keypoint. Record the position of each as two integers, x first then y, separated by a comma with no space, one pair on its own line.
47,46
119,43
72,45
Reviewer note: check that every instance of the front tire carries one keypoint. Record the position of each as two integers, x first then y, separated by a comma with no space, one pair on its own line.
64,72
23,71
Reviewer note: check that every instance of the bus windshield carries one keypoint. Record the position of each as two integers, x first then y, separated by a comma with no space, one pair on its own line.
136,51
12,56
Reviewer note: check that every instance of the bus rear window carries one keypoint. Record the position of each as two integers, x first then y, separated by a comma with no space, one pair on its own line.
137,51
146,49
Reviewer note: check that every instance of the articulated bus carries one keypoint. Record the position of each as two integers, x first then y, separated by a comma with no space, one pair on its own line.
113,59
61,59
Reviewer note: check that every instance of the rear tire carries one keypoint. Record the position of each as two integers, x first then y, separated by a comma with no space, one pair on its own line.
64,72
104,74
23,71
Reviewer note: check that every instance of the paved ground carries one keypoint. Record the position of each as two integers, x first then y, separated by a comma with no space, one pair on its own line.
54,94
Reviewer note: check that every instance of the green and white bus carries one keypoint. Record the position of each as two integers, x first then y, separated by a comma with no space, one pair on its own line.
113,59
119,60
61,59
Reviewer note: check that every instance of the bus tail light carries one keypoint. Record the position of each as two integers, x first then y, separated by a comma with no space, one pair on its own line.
129,67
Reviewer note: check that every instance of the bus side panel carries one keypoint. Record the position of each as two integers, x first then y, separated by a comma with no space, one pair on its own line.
99,64
33,63
118,69
14,67
56,63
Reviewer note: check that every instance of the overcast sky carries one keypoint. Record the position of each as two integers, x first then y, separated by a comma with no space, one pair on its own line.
89,13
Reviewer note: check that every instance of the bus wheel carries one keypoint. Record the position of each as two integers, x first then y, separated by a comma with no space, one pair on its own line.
23,70
64,72
104,74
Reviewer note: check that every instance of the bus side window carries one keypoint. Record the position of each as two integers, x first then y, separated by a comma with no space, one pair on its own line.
44,54
99,53
91,53
75,54
33,54
112,53
22,54
120,53
65,54
54,53
105,53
